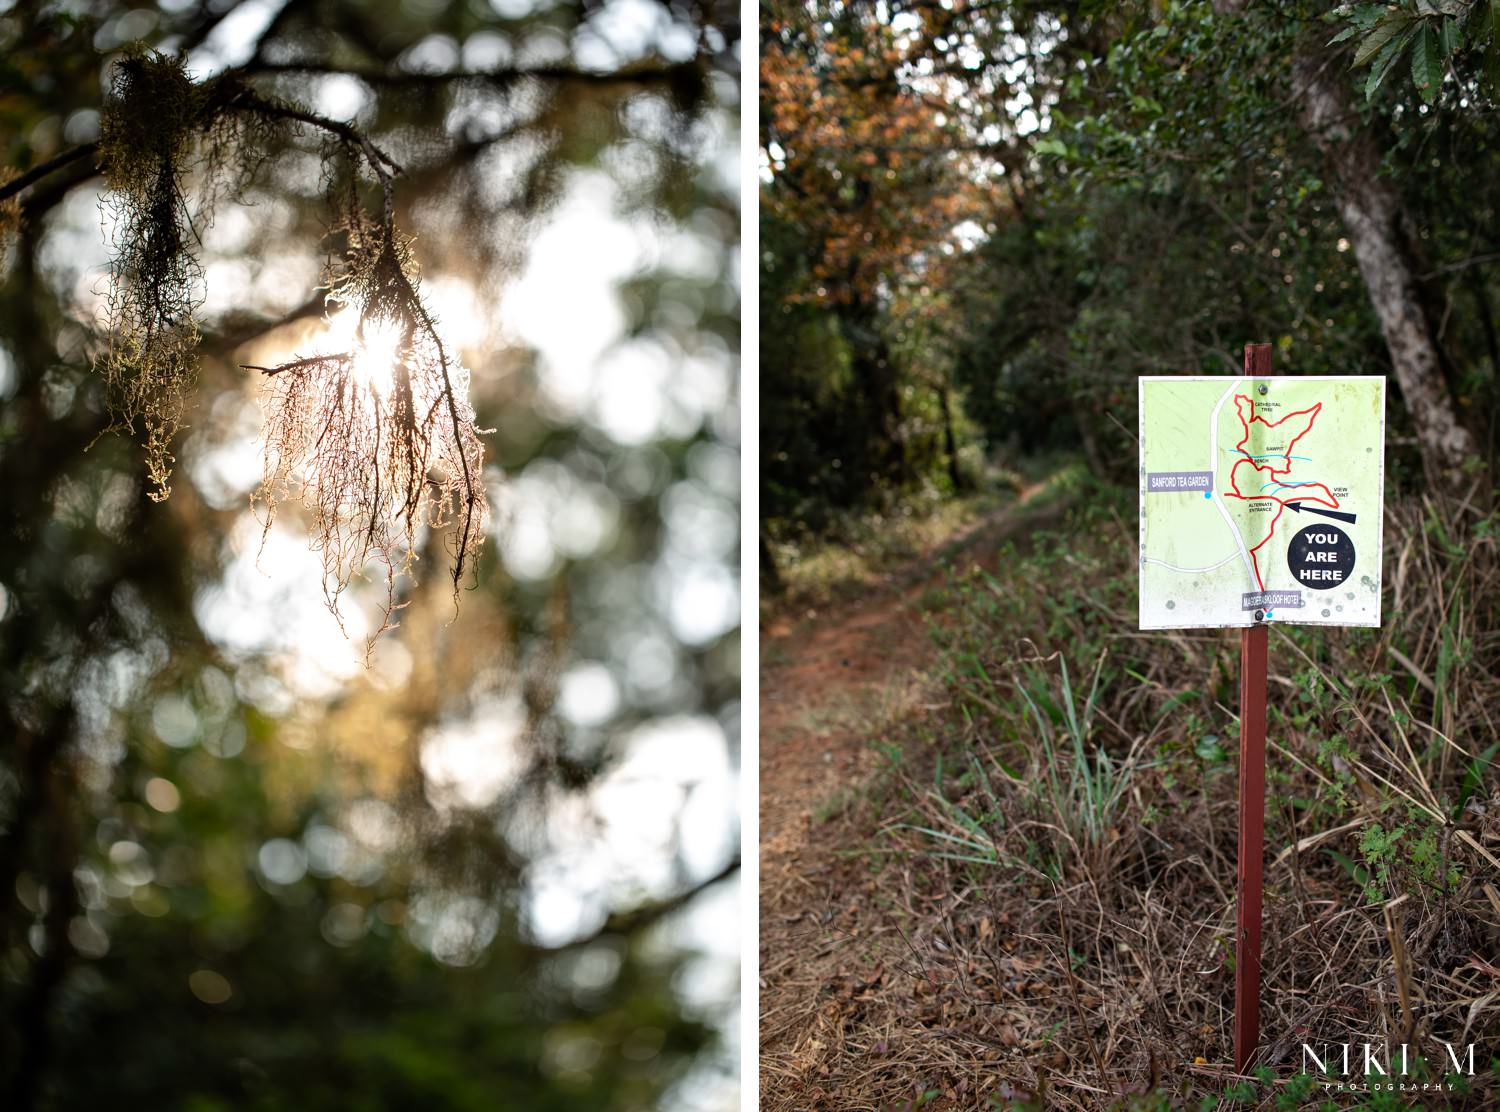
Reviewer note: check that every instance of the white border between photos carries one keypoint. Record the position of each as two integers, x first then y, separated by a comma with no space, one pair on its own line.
749,562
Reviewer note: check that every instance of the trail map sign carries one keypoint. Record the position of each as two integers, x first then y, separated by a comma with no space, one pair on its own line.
1261,500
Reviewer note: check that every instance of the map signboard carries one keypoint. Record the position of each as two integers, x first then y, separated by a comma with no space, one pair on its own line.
1261,500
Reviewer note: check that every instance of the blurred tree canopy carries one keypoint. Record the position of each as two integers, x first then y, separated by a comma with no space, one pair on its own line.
238,868
1131,189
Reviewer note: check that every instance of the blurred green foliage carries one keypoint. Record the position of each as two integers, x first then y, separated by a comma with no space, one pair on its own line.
232,875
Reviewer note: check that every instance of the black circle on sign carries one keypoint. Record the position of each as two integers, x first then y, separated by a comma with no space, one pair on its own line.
1321,557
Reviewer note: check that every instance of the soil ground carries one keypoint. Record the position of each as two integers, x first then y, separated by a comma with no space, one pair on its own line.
831,681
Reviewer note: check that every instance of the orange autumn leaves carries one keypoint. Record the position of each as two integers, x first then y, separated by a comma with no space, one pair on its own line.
861,152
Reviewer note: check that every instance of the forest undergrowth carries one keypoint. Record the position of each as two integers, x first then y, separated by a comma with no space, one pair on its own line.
1048,856
859,550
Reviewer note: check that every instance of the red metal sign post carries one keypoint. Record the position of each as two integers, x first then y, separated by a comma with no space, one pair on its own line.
1252,808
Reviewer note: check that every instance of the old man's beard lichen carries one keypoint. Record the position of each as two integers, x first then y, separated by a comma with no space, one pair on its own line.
378,443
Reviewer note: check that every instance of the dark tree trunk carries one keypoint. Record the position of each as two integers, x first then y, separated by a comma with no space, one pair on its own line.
1480,290
770,574
34,1019
875,373
1085,421
887,447
1481,295
950,440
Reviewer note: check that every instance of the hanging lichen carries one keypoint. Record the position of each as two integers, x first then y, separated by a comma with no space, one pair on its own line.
157,128
378,442
147,131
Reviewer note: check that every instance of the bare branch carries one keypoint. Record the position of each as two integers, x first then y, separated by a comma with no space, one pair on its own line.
311,362
649,74
237,329
37,173
243,100
637,919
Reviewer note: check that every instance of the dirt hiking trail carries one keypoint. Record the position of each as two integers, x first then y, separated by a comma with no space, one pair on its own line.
829,680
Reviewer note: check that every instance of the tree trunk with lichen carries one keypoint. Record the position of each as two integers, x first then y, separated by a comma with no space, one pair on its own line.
1372,211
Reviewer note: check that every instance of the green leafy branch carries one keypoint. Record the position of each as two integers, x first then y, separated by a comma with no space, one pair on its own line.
1437,37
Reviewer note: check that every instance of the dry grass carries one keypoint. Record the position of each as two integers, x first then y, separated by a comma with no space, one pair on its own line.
1035,907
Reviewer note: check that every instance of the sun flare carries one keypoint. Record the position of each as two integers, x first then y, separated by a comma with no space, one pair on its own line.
374,432
376,349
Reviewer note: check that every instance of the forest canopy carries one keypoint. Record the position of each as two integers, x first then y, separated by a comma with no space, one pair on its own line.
981,222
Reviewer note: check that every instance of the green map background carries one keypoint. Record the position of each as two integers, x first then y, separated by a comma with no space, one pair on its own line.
1346,451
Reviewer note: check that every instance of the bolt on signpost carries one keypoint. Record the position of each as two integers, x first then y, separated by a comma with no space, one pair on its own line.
1241,483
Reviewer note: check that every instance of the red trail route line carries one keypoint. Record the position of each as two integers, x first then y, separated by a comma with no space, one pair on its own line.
1311,413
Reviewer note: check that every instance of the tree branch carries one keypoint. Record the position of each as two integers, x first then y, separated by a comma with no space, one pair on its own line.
381,163
638,75
37,173
629,922
296,364
239,329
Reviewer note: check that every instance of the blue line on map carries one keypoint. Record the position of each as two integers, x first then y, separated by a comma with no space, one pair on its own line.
1288,485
